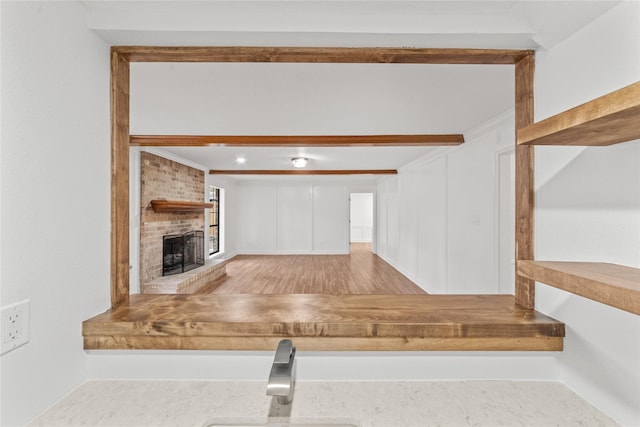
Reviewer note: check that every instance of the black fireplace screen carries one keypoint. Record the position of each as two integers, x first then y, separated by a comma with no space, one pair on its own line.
182,252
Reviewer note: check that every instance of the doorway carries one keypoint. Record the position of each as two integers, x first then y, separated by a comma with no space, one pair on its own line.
361,220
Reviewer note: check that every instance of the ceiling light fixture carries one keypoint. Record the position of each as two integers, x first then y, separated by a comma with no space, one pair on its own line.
299,162
240,160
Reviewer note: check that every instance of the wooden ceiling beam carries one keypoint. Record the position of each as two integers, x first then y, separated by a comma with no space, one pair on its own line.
319,55
304,172
295,140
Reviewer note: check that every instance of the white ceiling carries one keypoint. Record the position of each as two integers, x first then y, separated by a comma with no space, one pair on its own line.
451,23
292,99
314,99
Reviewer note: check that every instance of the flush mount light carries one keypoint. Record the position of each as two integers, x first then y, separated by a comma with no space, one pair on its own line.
240,160
299,162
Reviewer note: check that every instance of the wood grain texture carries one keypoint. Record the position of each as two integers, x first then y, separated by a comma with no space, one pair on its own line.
199,321
325,343
360,272
524,180
319,55
296,140
119,179
611,284
163,206
303,172
610,119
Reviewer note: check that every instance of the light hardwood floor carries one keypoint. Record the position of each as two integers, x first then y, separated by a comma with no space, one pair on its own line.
360,272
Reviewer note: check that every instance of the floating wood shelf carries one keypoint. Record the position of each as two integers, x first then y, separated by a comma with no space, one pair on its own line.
610,119
163,206
611,284
323,322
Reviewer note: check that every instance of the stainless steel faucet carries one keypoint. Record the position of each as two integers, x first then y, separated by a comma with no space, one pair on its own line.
282,376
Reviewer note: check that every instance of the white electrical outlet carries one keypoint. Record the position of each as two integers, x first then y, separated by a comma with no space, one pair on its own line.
15,325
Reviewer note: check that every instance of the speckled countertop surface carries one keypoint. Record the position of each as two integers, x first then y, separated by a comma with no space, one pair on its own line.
369,404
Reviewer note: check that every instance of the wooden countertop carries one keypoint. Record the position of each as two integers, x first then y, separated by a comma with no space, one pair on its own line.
323,322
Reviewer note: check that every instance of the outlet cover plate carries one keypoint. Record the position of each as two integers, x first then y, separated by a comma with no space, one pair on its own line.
15,325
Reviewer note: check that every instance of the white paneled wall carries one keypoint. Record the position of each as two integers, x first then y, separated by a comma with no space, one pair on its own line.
382,226
431,234
470,226
361,233
437,216
292,218
408,223
329,214
257,219
393,220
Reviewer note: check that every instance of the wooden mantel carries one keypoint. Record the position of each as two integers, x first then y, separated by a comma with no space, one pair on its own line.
163,206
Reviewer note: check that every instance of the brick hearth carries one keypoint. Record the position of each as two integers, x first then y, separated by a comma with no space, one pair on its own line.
189,282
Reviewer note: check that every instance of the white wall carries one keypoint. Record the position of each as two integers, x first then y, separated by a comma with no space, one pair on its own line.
438,224
292,217
432,230
55,196
330,218
316,98
588,209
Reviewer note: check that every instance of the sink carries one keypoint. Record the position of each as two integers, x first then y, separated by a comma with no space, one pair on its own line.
278,422
272,424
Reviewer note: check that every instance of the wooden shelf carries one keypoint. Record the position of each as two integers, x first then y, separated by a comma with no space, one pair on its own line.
163,206
323,322
611,284
610,119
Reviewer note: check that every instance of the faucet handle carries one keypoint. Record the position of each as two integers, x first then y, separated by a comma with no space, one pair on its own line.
284,352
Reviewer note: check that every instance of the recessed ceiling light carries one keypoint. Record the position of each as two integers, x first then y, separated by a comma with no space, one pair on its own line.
240,160
299,162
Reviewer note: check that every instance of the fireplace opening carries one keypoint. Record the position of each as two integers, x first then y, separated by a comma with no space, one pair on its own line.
182,252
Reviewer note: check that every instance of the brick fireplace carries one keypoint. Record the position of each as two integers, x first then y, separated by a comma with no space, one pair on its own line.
161,178
182,252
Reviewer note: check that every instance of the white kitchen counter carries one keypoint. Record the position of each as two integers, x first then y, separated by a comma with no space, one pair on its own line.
379,404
